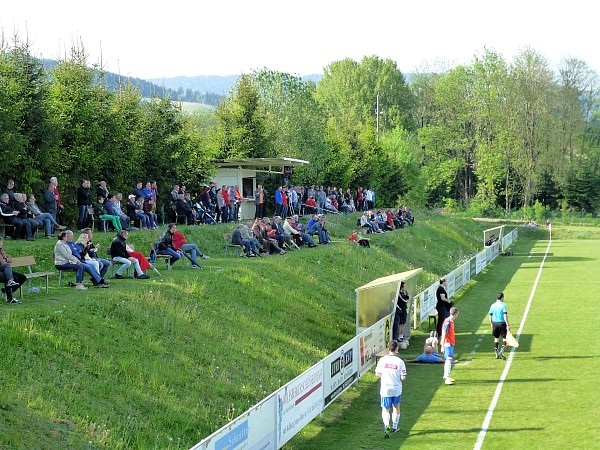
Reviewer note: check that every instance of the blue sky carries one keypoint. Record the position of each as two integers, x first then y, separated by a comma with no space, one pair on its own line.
229,37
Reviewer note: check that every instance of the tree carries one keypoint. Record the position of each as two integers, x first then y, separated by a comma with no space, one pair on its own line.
241,125
294,123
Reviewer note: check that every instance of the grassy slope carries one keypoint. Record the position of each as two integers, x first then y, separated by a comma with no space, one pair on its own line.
163,363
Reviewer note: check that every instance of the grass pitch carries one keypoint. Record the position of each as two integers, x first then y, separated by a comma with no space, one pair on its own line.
549,397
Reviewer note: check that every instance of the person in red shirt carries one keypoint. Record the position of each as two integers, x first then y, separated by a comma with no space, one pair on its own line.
181,244
448,342
225,210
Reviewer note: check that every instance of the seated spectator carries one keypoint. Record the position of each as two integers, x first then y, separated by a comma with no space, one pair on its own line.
166,247
181,245
46,218
365,222
12,280
316,227
390,219
310,207
184,208
101,212
141,259
247,233
89,252
299,236
260,232
65,260
90,265
120,255
9,214
24,213
135,211
113,208
329,206
236,239
284,238
358,239
147,210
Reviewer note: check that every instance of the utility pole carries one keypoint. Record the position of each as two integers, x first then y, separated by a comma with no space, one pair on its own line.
378,113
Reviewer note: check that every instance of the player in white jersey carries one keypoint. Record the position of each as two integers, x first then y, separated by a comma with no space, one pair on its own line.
392,372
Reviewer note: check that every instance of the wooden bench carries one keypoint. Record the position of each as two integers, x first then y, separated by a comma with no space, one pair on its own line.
167,258
29,261
228,244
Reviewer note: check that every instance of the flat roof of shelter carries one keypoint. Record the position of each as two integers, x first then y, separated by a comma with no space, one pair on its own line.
259,163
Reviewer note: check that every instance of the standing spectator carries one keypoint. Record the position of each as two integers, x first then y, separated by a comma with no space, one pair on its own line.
219,205
154,187
442,305
51,201
499,323
138,190
9,189
59,205
102,190
84,201
401,312
259,202
392,372
448,341
278,201
12,280
321,196
225,209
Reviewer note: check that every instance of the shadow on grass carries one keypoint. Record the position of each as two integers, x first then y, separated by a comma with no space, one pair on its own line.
475,430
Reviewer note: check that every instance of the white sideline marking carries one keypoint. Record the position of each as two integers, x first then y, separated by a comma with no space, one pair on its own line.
490,412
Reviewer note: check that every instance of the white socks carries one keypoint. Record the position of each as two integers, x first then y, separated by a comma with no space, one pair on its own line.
447,367
385,415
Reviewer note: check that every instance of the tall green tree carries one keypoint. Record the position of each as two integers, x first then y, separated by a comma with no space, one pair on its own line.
294,122
241,128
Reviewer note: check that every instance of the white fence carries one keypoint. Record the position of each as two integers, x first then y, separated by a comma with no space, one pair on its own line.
272,422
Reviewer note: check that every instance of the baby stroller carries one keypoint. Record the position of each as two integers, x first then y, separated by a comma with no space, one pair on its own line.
204,215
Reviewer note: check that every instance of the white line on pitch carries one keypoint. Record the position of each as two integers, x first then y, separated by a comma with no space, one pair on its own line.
490,412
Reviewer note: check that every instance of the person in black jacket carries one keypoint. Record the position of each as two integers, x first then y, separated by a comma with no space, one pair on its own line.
120,255
84,201
165,246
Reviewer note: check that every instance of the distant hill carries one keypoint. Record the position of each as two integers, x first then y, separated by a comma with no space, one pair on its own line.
149,89
204,89
210,83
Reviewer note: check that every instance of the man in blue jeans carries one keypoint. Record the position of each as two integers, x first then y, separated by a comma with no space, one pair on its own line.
181,245
166,247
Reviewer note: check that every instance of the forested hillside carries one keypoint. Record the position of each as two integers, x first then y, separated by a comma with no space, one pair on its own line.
490,137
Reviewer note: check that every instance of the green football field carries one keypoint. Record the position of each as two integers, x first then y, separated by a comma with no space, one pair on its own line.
545,396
